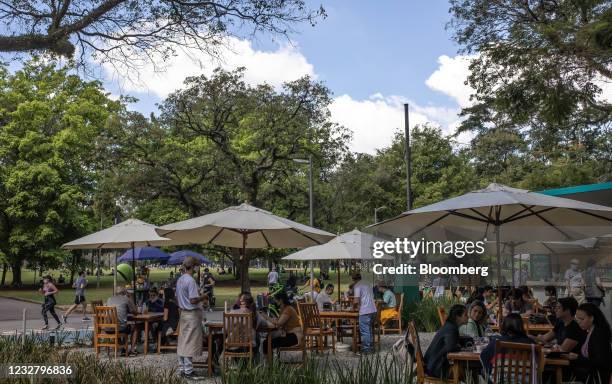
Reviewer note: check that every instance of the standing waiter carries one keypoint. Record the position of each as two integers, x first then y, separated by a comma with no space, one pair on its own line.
190,324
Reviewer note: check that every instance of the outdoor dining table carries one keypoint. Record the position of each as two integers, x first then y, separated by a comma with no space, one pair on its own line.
351,316
531,328
146,318
457,357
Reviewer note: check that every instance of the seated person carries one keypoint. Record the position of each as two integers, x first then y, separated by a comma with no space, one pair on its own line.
446,340
551,297
289,321
155,303
512,330
592,364
389,310
515,303
124,307
568,334
247,305
531,303
325,297
316,285
477,317
171,315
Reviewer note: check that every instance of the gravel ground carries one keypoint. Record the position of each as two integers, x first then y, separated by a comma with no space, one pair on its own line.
168,361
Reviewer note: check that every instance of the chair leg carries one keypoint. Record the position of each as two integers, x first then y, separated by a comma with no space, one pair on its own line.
158,342
116,345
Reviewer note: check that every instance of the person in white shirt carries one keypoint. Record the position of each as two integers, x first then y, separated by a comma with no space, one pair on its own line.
574,282
272,276
325,296
367,311
189,300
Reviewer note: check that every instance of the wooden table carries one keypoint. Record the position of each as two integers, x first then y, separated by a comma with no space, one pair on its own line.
351,316
213,328
457,357
531,328
146,318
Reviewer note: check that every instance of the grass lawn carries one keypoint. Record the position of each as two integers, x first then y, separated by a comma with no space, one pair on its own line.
226,288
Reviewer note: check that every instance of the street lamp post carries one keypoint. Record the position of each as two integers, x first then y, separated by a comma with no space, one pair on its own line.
311,208
376,213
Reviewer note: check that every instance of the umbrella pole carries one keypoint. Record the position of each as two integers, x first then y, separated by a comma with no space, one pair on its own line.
338,274
242,276
115,275
311,280
133,273
512,261
499,290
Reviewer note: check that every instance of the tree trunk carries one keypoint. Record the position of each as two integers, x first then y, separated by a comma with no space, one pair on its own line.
245,282
4,268
16,267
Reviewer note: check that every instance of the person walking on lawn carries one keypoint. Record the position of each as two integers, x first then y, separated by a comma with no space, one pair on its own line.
79,297
189,300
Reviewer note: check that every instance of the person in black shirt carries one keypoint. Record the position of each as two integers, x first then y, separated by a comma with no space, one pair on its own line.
512,330
171,315
568,334
592,364
446,340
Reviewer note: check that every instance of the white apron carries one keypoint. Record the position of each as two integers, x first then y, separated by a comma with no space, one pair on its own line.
191,336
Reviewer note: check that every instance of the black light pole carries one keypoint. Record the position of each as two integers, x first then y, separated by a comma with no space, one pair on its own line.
407,156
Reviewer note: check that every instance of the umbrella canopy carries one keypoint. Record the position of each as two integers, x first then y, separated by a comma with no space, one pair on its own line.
178,257
353,245
508,214
230,226
244,227
143,253
127,234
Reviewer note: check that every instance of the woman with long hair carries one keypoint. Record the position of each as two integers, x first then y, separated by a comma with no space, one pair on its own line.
512,330
288,321
477,316
48,291
446,340
592,364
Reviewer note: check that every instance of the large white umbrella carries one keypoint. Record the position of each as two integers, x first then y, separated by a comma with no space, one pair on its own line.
245,226
353,245
509,214
130,233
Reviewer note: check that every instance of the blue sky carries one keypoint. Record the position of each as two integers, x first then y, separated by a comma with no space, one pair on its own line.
373,55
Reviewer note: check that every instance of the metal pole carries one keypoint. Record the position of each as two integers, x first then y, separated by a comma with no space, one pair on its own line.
311,204
23,334
134,273
407,156
499,294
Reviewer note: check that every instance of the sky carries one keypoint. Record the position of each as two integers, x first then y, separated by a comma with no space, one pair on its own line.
374,56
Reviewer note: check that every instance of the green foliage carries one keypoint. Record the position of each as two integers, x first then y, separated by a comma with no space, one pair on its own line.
425,312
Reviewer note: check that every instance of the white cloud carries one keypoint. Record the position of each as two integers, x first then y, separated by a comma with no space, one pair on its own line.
374,120
450,78
284,64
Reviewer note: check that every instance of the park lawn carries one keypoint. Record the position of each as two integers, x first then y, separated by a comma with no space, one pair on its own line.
227,288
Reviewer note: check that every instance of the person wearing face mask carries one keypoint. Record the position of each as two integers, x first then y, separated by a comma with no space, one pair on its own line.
592,364
574,282
446,340
476,318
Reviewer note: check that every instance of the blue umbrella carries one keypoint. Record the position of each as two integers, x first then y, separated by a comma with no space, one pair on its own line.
143,253
178,257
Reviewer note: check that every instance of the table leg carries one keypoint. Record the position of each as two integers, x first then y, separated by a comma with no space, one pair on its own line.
558,374
269,340
209,357
455,371
355,336
146,337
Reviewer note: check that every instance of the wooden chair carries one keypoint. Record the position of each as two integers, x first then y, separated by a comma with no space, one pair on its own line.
106,327
314,330
94,304
514,363
399,299
301,346
237,336
167,346
422,377
442,315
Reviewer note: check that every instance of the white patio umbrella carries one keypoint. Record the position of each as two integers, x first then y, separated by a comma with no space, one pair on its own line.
353,245
510,214
245,226
130,233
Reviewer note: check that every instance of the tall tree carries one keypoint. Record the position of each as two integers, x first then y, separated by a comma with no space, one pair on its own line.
49,122
123,30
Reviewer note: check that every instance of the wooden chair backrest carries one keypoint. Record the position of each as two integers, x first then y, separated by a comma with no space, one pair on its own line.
105,317
238,329
399,300
310,315
418,354
514,363
442,315
96,303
